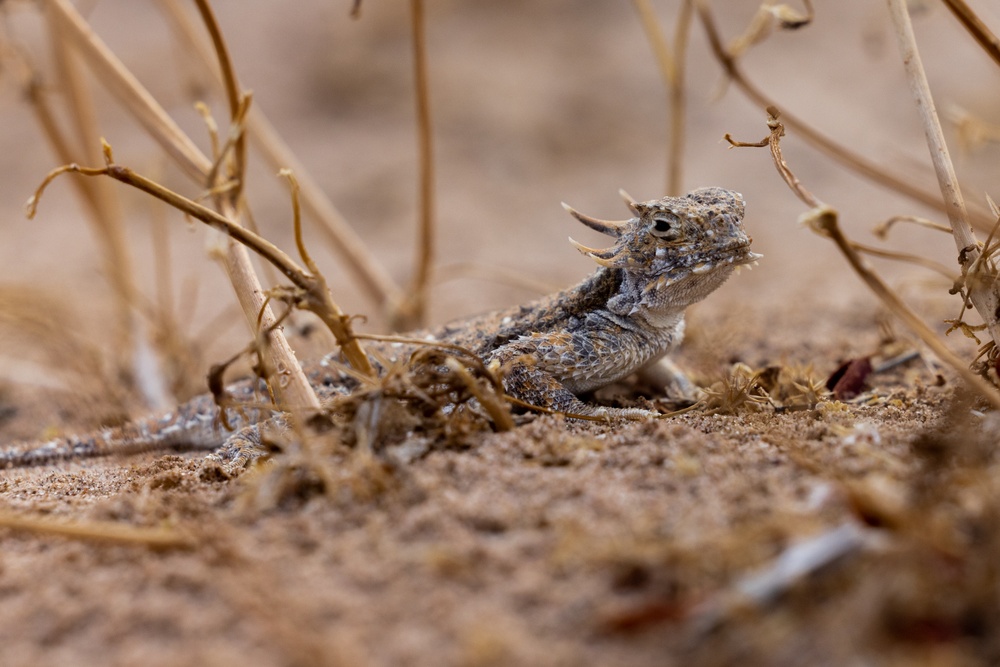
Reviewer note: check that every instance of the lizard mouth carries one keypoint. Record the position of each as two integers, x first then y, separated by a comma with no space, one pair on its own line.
733,258
737,256
742,254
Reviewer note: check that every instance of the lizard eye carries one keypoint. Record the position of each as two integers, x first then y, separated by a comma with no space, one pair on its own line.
665,229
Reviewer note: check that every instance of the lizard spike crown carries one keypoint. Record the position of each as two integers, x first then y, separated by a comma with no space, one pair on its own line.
689,244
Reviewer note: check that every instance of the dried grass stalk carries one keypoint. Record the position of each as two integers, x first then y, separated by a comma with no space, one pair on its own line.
98,531
413,313
979,30
121,83
315,296
850,159
358,259
293,390
823,219
980,279
671,64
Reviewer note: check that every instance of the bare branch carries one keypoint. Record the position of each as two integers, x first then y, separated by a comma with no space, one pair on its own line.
358,259
979,30
841,154
416,305
982,289
822,219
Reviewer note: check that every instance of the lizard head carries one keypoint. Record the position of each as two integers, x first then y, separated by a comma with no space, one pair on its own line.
676,250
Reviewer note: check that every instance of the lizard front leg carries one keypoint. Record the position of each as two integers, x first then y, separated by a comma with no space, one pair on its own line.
540,369
667,375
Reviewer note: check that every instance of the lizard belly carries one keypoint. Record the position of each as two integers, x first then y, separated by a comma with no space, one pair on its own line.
606,359
591,357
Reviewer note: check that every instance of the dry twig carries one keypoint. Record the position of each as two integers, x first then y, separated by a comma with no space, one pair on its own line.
850,159
979,277
98,531
979,30
412,314
357,258
671,64
823,220
315,293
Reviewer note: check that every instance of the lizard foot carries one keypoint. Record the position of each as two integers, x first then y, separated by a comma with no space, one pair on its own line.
615,414
674,381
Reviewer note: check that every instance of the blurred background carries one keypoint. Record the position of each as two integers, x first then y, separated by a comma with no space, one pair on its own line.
533,104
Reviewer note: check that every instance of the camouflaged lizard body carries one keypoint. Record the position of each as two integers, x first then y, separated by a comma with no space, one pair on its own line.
623,318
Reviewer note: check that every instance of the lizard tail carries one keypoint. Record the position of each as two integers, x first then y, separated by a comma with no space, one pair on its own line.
194,426
91,446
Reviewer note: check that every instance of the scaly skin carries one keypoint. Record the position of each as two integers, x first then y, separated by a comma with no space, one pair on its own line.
623,318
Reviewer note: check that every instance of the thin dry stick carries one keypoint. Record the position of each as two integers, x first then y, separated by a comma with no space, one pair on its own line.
881,230
671,65
106,215
497,410
290,384
678,116
930,264
98,531
133,96
823,219
319,299
981,292
979,30
294,390
233,94
316,296
414,315
57,140
370,275
84,121
853,161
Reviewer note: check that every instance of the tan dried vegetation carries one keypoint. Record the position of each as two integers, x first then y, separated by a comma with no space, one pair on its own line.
361,445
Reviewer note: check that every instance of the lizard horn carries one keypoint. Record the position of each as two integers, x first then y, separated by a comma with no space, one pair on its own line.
608,227
603,257
632,204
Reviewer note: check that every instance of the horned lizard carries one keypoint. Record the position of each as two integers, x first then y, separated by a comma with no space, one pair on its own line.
625,317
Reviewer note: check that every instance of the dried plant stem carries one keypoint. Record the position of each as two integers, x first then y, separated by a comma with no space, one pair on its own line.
853,161
233,94
372,278
882,229
319,299
289,383
982,291
98,531
316,296
294,389
377,284
413,314
671,65
678,117
105,213
133,96
930,264
823,219
979,30
84,120
61,147
497,410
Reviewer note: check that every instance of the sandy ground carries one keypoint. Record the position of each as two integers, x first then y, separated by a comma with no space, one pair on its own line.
558,543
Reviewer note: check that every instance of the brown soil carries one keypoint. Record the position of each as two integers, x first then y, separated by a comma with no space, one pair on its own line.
560,542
